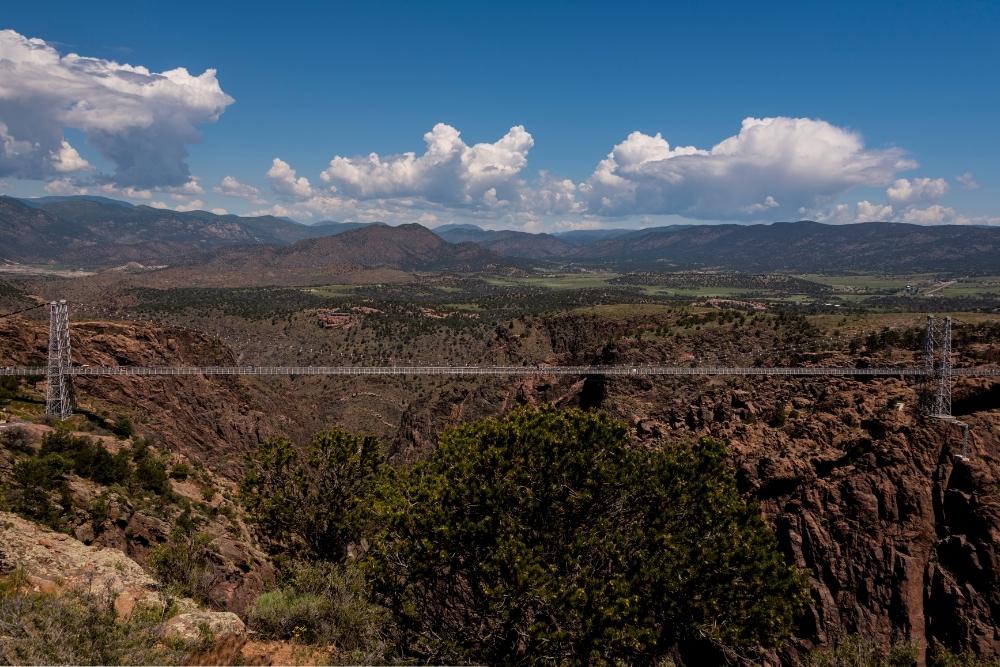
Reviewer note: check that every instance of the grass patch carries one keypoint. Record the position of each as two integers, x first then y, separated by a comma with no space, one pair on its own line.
560,281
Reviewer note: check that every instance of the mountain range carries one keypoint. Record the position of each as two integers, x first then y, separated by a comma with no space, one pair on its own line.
94,232
372,253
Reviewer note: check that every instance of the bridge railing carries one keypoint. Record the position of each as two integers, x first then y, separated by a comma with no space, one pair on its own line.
622,370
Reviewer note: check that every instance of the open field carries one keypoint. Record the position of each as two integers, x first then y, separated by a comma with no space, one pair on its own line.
919,284
32,270
556,280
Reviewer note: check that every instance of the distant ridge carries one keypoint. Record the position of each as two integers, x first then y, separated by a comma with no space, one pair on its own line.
807,247
39,202
802,246
372,251
96,232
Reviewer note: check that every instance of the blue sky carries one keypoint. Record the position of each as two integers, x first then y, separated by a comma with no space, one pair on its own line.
916,83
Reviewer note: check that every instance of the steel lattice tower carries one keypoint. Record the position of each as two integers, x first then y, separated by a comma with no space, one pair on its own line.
942,401
926,384
936,390
58,392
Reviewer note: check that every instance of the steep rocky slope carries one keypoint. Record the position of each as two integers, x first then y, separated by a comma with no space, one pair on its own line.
211,420
53,561
899,534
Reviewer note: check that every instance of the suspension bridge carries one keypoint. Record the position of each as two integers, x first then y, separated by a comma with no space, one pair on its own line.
936,371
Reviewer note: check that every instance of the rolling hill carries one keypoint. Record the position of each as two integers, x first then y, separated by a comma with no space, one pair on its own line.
95,232
509,243
807,247
374,253
784,246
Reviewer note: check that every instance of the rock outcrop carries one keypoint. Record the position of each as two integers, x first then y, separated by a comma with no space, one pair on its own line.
897,530
55,561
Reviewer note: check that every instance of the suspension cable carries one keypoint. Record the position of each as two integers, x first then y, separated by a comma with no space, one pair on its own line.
23,310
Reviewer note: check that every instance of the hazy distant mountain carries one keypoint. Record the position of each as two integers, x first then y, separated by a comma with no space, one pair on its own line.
332,228
455,226
43,201
99,232
525,244
509,243
587,236
405,247
807,247
96,232
786,246
328,259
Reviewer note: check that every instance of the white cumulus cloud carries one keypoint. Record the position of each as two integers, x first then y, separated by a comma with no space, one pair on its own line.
231,187
909,191
968,181
448,172
140,120
127,192
866,211
791,162
63,186
66,159
934,214
193,205
284,181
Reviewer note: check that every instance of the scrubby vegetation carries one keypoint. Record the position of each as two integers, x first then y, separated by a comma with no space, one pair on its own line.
856,651
327,604
183,563
545,534
315,503
540,537
73,628
40,488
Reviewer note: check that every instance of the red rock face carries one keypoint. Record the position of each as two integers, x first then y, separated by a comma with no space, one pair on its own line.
209,420
899,536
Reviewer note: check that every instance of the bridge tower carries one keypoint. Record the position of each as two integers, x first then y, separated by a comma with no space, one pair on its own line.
942,399
937,367
58,392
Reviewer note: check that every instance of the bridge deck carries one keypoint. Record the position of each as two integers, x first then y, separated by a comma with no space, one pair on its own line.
99,371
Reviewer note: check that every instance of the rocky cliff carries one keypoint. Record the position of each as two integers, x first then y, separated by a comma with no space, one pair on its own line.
898,531
212,420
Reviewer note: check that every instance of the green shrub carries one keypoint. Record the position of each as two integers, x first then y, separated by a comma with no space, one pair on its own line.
181,472
184,564
856,651
41,472
779,416
78,629
150,471
942,657
87,458
545,537
285,614
16,439
40,491
313,503
122,427
323,603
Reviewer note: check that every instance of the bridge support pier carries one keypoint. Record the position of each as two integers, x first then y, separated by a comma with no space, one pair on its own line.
59,391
